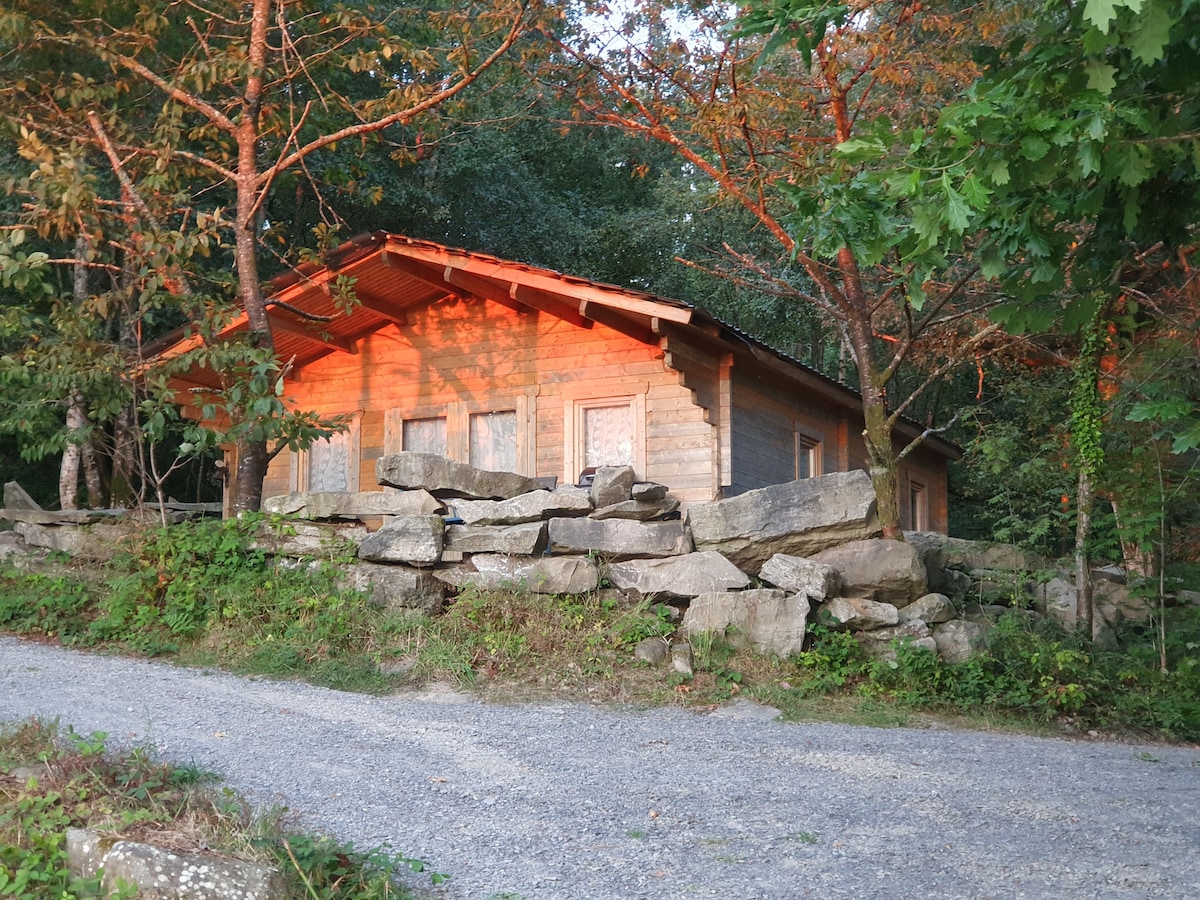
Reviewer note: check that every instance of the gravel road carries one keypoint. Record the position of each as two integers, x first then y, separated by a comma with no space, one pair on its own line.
575,803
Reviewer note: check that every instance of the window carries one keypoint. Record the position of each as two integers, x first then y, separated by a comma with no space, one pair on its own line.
809,461
331,464
425,435
492,440
604,431
918,507
607,435
494,431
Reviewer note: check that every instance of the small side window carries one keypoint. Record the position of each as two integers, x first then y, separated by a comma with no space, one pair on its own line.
809,462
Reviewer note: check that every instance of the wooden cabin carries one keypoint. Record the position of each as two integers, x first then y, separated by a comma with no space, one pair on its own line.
512,367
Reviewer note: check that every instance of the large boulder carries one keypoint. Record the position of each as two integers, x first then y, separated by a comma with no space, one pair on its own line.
539,575
1118,603
1058,599
446,478
930,609
678,576
799,518
770,620
521,540
565,500
612,484
396,587
857,614
958,640
943,552
417,540
814,580
334,505
881,570
619,538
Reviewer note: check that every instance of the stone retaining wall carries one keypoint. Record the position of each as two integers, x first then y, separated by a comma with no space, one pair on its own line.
759,566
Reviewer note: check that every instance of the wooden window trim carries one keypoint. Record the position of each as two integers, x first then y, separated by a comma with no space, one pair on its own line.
299,474
573,429
813,442
457,414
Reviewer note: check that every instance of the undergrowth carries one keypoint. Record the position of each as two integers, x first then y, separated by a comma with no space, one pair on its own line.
204,594
52,779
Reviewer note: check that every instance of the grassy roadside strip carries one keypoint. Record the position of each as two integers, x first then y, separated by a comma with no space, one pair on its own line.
199,594
51,779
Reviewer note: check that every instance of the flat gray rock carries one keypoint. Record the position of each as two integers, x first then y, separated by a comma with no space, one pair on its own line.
446,478
767,619
679,576
539,575
521,540
334,505
799,518
619,538
565,500
406,539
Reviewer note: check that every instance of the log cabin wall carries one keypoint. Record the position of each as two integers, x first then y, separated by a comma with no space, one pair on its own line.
779,433
555,383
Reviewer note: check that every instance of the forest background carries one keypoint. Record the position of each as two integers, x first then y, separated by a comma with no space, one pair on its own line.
980,215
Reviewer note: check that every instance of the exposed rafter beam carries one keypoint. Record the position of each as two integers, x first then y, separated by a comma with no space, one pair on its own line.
571,290
606,315
512,294
302,331
382,308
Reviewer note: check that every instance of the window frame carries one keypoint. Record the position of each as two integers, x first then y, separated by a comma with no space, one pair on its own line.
300,474
918,505
582,398
458,413
810,443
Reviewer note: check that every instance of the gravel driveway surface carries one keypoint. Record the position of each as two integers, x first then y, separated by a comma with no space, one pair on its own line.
578,803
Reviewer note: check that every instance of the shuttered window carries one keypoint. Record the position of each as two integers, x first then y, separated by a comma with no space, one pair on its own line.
493,440
425,435
608,435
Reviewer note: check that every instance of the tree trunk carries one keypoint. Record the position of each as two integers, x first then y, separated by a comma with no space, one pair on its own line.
253,456
124,459
252,460
1084,613
92,477
1137,559
877,434
68,470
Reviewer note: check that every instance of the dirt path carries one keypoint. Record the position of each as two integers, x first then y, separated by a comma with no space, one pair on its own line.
577,803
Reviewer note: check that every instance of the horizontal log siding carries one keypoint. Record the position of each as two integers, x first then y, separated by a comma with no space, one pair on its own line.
763,442
486,355
765,419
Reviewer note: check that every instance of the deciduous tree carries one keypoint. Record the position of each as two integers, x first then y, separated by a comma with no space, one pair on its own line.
243,94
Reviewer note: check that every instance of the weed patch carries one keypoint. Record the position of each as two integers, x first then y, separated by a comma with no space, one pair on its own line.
51,780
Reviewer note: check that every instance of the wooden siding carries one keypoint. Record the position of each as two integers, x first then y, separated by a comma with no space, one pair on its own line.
765,422
460,356
766,416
